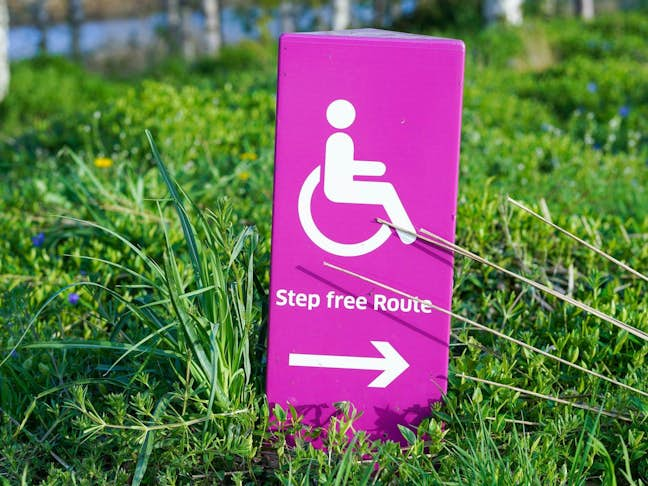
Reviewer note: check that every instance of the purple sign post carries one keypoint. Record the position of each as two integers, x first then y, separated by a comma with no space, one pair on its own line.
368,126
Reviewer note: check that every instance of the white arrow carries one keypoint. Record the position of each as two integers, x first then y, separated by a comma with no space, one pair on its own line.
391,364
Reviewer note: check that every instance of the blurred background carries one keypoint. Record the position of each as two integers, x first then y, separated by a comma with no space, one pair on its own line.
100,29
583,61
133,34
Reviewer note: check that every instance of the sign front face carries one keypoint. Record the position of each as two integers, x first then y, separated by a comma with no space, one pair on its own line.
368,126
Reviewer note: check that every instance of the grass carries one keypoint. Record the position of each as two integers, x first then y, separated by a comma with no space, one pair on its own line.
132,333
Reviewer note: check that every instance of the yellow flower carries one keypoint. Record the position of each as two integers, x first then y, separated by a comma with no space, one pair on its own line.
103,162
248,156
244,176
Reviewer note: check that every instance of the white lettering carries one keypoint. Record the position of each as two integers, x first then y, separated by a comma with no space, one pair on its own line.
400,304
297,299
392,304
379,302
313,301
361,303
329,298
426,307
281,297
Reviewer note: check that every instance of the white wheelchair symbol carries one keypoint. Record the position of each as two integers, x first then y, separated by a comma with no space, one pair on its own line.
340,168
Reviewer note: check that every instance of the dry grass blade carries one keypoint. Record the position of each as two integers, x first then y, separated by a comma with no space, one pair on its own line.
514,421
595,249
447,245
488,329
547,397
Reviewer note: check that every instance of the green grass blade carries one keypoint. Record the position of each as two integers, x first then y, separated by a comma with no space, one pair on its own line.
187,229
149,440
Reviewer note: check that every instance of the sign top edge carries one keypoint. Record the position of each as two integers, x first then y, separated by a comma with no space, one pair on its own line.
372,35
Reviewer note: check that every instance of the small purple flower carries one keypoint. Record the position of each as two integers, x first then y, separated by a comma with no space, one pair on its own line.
83,273
592,87
38,240
14,354
624,111
73,298
597,146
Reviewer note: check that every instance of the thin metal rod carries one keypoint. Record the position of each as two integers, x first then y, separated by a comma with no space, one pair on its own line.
547,397
482,327
447,245
595,249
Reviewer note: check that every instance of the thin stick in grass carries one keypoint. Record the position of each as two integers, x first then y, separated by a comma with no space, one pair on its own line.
547,397
447,245
487,329
595,249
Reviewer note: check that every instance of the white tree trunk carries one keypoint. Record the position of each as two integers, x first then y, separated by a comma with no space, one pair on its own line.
341,14
287,16
213,32
507,10
585,8
4,49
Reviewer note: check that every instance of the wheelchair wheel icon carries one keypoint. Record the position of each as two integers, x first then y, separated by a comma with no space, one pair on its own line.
321,240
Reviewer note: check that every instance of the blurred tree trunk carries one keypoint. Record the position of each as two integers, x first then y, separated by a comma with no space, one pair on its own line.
549,7
584,9
213,31
341,14
380,12
41,21
187,40
385,12
75,19
174,25
179,24
395,10
508,10
287,16
4,49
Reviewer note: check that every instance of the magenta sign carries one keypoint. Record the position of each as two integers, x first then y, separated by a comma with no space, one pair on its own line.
368,126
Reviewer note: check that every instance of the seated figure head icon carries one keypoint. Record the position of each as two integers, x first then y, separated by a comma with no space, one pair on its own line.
340,114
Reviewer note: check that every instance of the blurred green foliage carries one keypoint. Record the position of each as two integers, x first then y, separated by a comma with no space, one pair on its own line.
47,88
462,14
